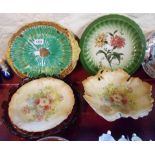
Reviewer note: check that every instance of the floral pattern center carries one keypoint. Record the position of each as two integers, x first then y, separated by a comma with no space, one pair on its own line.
109,43
41,106
119,96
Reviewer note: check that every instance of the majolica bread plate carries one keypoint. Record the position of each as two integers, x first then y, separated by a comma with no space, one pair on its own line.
112,41
41,105
43,49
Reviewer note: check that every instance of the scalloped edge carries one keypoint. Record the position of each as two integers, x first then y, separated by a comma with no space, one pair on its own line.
73,42
119,115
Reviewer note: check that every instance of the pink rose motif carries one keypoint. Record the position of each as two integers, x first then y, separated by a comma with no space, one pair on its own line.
117,41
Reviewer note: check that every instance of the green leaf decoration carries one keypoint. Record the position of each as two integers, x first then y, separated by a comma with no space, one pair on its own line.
42,49
115,31
117,56
111,34
101,51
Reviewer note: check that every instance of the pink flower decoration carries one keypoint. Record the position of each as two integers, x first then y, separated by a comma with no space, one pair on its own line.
117,41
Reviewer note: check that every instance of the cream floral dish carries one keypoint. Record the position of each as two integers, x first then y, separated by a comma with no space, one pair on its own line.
40,105
114,94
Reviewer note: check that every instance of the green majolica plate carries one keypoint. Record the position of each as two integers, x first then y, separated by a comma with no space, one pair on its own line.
112,41
43,49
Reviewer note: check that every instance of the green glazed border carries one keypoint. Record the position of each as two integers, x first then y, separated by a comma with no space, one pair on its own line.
124,19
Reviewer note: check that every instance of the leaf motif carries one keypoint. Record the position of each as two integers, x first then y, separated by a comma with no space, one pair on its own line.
109,56
117,56
115,31
111,34
105,42
108,51
112,58
101,51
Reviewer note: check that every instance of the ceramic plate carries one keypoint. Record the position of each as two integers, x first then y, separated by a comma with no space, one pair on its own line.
39,88
112,41
43,48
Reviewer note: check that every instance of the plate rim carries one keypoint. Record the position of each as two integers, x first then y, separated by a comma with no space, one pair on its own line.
69,34
123,18
71,119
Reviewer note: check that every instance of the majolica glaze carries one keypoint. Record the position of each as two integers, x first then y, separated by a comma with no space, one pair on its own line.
43,49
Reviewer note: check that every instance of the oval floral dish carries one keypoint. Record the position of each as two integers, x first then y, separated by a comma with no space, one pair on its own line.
43,49
51,115
41,106
112,41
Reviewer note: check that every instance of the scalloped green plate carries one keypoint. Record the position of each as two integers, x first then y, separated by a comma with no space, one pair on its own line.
112,41
43,49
